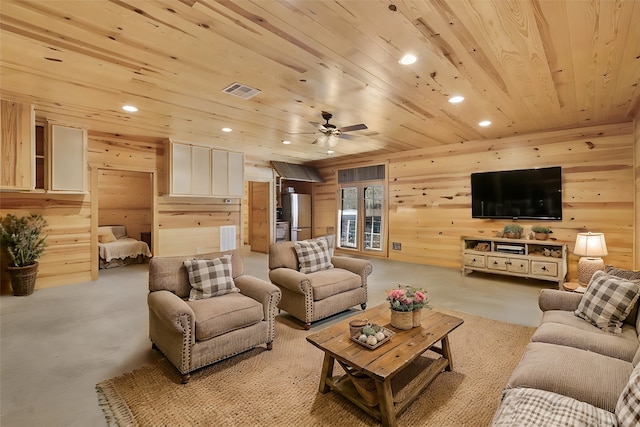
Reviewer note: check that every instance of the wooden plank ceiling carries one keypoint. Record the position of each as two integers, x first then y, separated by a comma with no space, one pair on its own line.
524,65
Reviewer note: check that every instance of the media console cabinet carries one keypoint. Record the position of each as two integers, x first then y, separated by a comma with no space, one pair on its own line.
534,259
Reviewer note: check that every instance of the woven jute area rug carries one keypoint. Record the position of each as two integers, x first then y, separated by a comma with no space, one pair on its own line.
280,387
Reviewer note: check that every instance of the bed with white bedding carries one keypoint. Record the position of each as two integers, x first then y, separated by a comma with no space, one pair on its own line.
116,249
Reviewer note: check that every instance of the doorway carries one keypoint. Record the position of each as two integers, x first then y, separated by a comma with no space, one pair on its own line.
122,196
259,217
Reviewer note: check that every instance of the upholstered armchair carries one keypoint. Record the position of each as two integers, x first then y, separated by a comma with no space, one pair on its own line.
195,333
337,285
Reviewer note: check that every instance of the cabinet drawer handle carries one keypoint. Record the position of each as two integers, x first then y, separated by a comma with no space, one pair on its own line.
544,268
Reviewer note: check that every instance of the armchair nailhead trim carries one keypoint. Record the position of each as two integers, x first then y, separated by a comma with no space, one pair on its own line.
185,321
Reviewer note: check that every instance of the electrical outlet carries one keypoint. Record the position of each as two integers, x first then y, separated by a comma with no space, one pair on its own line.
396,246
227,201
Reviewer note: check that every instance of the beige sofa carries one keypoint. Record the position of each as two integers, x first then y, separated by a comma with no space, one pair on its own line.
313,296
193,334
571,368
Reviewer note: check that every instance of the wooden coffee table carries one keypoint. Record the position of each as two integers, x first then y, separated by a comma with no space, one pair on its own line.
384,381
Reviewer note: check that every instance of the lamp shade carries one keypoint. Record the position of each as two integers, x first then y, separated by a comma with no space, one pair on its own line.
590,245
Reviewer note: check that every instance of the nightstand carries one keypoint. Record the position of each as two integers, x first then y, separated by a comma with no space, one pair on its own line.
145,236
573,287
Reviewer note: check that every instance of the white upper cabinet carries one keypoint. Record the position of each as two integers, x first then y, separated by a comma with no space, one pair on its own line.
200,171
196,170
67,157
236,174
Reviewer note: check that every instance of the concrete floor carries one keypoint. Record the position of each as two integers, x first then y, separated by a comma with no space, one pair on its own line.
56,344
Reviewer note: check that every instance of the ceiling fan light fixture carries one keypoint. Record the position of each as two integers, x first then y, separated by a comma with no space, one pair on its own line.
323,139
456,99
408,59
330,152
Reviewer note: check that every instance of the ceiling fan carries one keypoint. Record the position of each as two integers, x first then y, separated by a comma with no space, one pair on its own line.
331,133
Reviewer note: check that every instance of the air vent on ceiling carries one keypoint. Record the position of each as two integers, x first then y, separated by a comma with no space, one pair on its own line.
241,91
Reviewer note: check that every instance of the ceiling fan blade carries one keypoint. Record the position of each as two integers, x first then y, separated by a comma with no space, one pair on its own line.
353,127
345,136
315,124
300,133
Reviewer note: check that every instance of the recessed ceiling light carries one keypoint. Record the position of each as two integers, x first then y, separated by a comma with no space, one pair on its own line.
129,108
226,129
408,59
285,142
330,151
456,99
484,123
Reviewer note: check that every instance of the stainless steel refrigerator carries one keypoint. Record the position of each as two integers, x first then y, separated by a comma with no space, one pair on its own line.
296,208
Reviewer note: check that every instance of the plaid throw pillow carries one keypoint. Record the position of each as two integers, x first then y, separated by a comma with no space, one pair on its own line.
628,407
607,301
210,277
313,255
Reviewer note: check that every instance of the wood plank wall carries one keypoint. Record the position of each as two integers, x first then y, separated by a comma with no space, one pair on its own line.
125,198
430,196
68,258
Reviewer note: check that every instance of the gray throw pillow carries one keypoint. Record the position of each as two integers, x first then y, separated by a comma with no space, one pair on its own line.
313,255
210,277
628,406
607,301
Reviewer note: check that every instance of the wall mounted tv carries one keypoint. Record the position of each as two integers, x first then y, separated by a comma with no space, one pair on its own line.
517,194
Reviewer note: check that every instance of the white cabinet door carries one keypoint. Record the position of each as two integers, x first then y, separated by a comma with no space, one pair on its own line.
236,174
180,169
220,176
200,171
68,161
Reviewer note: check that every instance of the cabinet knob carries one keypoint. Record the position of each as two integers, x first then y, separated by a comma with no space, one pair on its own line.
495,262
544,268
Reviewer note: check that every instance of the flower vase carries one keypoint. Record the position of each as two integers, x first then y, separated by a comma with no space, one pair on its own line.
417,318
402,319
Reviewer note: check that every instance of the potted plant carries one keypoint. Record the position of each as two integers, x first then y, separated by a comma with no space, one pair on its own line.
405,304
512,231
23,240
541,232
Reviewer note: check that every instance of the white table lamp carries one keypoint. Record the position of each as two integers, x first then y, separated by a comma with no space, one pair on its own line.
591,247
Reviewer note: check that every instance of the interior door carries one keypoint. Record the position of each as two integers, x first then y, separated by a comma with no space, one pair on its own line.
259,216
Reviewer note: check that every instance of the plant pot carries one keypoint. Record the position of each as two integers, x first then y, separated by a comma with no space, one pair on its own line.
23,279
541,236
513,235
402,319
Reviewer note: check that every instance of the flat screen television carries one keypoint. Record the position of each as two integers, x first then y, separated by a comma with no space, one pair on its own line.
517,194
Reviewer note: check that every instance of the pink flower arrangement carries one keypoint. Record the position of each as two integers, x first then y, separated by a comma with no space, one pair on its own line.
407,298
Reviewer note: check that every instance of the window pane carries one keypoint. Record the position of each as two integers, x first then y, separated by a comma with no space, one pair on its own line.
349,217
373,217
